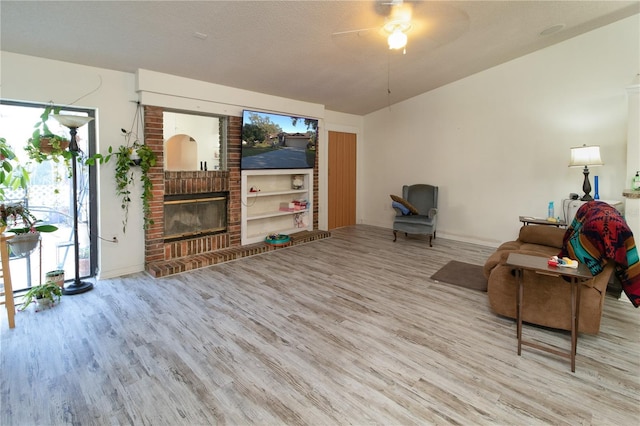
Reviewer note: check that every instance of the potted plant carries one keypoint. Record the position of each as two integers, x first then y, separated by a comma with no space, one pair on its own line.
27,228
45,145
45,294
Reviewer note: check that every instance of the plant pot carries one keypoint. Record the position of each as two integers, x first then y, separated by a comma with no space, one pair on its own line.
46,147
56,277
23,244
43,302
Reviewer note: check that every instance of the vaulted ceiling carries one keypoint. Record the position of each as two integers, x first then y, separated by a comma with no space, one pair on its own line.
327,52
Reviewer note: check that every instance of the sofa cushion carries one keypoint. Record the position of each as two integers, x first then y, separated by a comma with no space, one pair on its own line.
542,234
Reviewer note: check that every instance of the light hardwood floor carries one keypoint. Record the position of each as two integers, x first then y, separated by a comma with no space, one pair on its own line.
345,330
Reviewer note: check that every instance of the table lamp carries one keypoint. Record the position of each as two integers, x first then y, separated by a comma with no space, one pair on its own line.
585,156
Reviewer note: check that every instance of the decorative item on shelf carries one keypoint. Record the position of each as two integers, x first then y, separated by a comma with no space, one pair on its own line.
45,295
585,156
300,220
635,183
297,182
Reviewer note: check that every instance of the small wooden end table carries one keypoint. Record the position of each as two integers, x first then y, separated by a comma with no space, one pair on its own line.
526,220
539,265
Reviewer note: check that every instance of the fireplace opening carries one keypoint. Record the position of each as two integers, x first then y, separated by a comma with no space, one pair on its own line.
186,216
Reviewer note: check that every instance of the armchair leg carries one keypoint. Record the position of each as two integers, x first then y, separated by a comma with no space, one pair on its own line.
430,238
395,235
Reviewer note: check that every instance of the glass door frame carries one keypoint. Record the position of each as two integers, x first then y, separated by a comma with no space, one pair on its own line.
92,181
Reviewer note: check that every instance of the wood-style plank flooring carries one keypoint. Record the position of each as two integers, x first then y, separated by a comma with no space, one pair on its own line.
345,330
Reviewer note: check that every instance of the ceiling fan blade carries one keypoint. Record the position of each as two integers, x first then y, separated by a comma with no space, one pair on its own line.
360,32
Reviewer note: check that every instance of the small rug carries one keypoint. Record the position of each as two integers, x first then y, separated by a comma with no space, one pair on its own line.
462,274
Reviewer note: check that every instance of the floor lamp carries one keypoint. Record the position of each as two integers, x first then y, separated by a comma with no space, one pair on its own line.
73,122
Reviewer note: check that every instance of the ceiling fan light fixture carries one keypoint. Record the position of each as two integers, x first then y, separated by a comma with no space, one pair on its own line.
397,39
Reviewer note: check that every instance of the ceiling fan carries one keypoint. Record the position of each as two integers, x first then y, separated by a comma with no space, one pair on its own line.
430,24
397,23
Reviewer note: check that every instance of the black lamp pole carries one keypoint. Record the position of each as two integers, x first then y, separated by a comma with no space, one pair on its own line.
73,122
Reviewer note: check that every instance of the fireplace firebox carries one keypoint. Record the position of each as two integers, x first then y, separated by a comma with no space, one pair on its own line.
186,216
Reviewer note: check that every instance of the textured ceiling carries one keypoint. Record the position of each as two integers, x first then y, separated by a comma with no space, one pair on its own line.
291,49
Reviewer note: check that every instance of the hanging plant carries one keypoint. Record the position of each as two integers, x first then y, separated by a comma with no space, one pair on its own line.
45,145
124,178
147,160
132,154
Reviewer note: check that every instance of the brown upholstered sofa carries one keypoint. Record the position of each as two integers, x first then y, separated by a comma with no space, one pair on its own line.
547,299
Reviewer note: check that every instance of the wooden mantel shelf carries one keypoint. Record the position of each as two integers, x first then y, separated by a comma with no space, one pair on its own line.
630,193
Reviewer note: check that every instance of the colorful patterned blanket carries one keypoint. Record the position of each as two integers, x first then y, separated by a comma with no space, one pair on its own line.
599,234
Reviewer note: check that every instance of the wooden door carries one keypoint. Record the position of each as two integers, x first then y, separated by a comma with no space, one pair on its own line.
342,179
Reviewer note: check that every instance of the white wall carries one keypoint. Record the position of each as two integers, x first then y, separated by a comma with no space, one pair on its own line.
497,143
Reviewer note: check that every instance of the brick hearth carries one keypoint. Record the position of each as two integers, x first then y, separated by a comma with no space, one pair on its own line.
187,263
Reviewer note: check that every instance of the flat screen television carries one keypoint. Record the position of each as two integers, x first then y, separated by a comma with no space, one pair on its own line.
277,141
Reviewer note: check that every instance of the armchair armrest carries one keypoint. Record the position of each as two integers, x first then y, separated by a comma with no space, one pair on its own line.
432,212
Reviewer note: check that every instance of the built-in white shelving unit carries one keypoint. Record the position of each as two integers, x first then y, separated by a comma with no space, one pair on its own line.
275,202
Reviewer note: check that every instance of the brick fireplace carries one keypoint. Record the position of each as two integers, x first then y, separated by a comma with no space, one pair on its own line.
190,215
166,256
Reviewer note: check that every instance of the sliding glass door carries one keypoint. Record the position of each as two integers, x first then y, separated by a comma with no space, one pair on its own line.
49,197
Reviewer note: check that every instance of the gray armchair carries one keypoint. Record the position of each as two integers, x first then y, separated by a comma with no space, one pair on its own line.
425,199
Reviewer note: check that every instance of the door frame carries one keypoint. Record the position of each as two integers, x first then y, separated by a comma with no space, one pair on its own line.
93,178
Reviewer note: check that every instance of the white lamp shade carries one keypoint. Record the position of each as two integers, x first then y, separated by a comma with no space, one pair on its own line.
72,121
585,156
397,39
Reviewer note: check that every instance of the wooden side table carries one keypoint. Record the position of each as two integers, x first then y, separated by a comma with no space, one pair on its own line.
539,265
5,274
526,220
